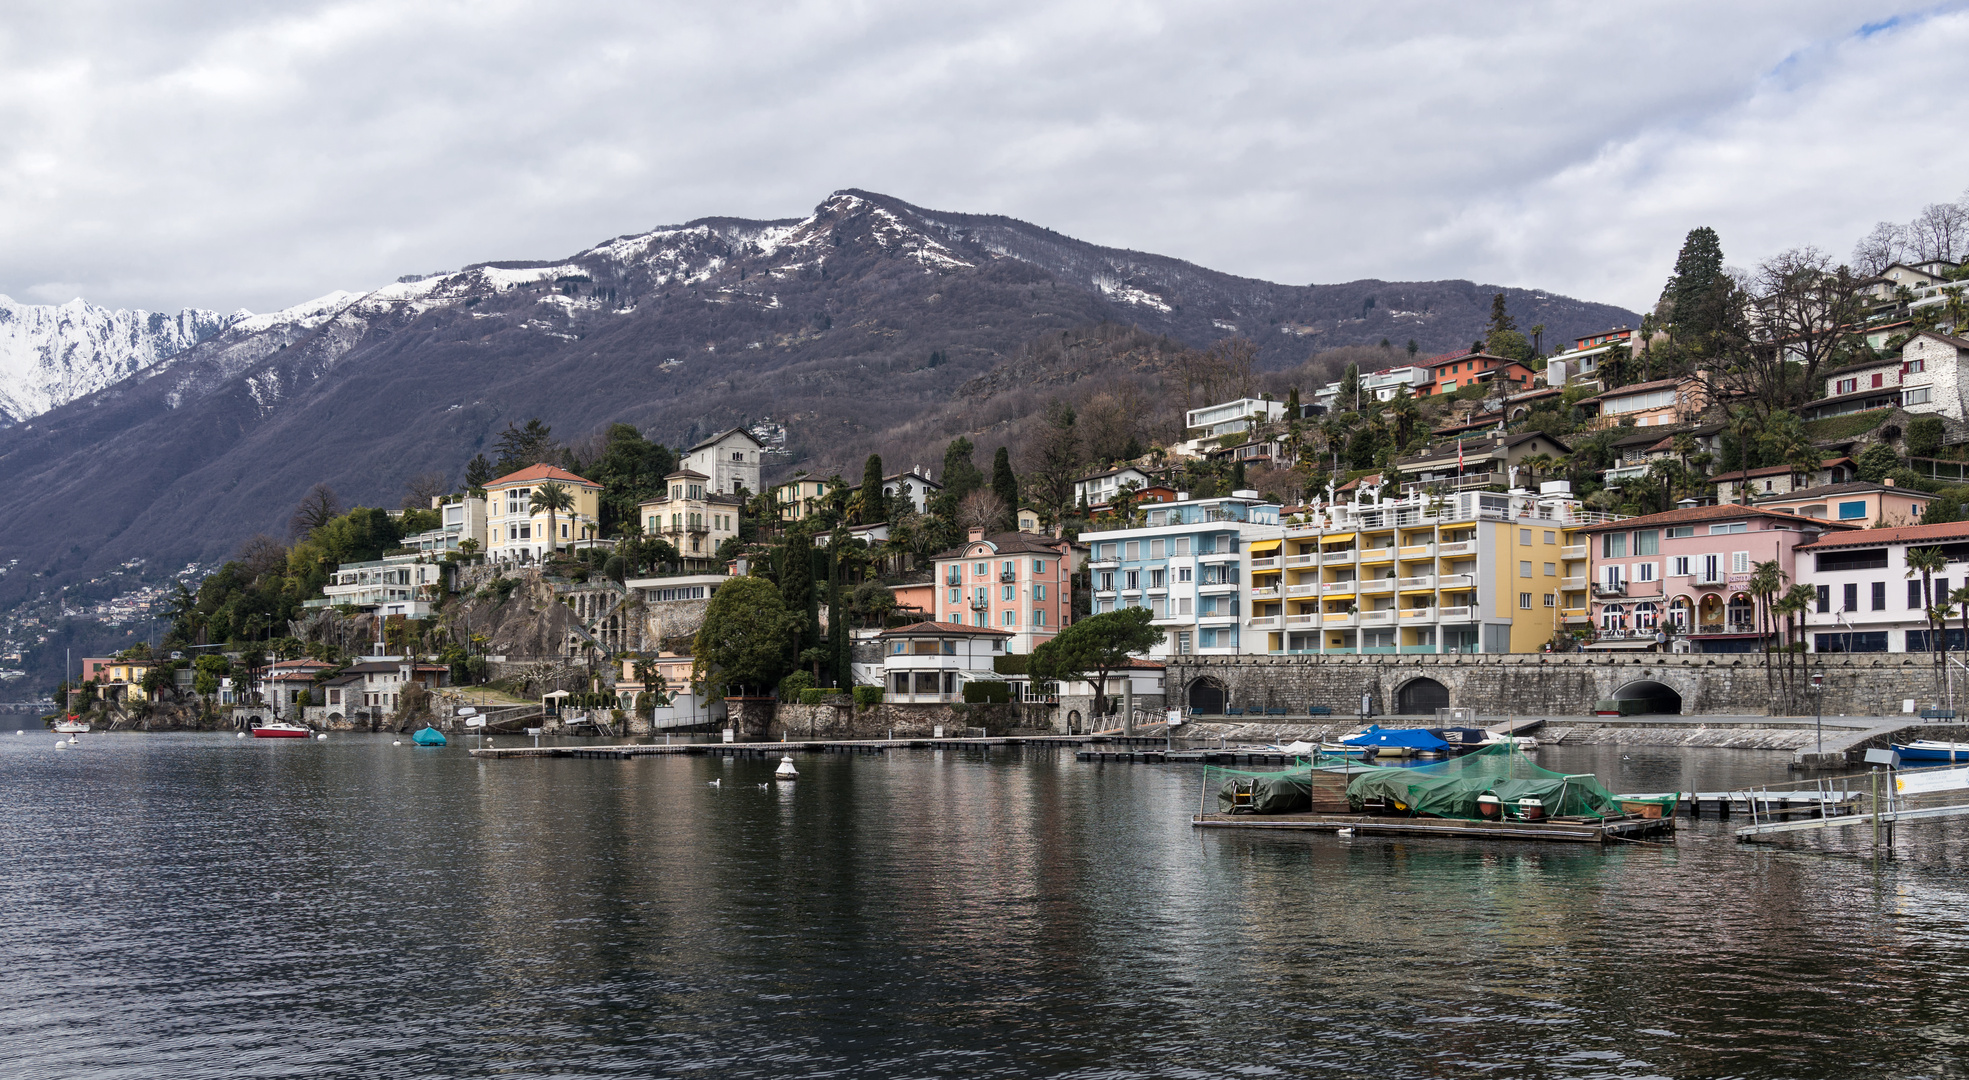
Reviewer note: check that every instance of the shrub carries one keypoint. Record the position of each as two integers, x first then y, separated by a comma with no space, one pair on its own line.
867,696
810,696
791,686
1924,436
988,693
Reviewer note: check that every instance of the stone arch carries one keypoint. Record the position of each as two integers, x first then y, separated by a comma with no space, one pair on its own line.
1661,698
1206,696
1421,696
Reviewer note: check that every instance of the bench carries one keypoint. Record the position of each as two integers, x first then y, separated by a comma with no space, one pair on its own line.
1318,710
1938,714
1233,712
1277,712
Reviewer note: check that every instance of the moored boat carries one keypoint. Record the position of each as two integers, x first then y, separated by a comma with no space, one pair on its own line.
429,736
74,725
280,729
1918,750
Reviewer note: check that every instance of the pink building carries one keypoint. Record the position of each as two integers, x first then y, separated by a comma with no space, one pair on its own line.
1685,575
1014,581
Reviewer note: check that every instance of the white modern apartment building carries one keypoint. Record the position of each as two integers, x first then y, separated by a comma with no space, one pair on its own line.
1185,564
1231,417
1867,600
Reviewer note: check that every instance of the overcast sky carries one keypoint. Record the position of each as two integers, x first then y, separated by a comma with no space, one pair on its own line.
228,155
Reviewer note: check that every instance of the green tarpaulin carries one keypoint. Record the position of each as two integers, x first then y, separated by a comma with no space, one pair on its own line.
1451,788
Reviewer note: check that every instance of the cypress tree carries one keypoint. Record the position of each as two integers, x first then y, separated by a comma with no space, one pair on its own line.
1237,475
960,474
1004,484
796,583
837,621
874,506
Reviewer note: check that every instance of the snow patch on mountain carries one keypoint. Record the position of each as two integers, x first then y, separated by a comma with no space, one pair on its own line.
52,354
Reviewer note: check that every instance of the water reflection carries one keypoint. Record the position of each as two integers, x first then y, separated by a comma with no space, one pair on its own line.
196,906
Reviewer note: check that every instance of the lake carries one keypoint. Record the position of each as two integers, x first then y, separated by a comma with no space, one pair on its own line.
203,906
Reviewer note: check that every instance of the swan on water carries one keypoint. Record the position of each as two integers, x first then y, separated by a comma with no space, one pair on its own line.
1343,832
60,745
323,736
398,742
714,783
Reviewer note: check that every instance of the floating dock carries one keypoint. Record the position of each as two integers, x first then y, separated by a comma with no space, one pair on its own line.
805,746
1560,830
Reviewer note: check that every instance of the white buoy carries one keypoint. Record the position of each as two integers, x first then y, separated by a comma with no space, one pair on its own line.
60,744
322,737
786,771
240,735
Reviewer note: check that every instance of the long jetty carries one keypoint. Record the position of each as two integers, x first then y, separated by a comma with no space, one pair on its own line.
810,746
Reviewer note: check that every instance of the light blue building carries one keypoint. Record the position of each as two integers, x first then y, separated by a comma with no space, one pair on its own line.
1185,563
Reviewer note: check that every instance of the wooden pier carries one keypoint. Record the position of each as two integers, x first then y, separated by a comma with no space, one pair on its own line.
806,746
1569,830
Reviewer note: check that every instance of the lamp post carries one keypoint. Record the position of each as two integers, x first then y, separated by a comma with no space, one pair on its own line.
1818,705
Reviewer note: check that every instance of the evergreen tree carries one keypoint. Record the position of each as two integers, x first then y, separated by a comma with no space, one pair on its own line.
960,474
1237,475
1500,317
1350,384
523,446
837,616
478,472
1005,485
1697,269
873,502
796,582
1501,336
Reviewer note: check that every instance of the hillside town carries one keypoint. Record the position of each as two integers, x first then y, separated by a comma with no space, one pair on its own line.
1785,479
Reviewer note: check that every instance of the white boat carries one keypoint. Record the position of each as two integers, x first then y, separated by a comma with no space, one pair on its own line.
281,729
72,726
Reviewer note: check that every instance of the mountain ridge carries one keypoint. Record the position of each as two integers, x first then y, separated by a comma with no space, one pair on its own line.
826,321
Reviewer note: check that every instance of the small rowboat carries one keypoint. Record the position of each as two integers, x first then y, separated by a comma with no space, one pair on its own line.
1919,750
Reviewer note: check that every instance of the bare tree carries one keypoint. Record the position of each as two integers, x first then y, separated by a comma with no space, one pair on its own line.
1796,315
981,509
262,555
1940,230
318,507
1881,248
422,488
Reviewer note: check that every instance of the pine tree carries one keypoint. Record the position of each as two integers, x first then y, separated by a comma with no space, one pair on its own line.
874,505
1237,475
478,472
960,474
1697,267
1004,484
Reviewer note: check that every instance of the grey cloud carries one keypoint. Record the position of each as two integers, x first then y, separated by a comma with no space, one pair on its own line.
229,156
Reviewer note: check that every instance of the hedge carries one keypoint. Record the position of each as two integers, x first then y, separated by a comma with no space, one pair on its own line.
868,695
810,697
988,693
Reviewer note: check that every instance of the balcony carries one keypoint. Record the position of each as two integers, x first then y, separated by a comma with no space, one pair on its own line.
979,603
1217,557
1606,589
1331,588
1461,547
1426,581
1308,589
1418,551
1573,551
1267,593
1377,554
1271,563
1265,622
1342,557
1384,617
1339,619
1301,622
1572,616
1008,576
1378,586
1725,628
1456,581
1418,615
1216,588
1103,564
1572,584
1216,618
1457,614
1292,561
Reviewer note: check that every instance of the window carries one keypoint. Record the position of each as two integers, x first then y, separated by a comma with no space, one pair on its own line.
1644,571
1183,606
1005,591
1879,379
1866,559
1674,531
1849,510
1825,599
1009,618
1712,570
1551,570
1182,641
1132,580
1851,598
1182,547
1039,566
1914,596
1524,600
978,618
1551,537
1679,566
1879,596
1039,592
1132,550
1182,573
1915,366
1009,567
1549,598
1156,548
1158,579
1647,542
981,569
1524,568
1524,537
1739,562
1613,546
957,596
1725,530
1918,396
1039,617
1845,386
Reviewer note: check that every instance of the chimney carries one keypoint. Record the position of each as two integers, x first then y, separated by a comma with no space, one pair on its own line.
1887,480
977,533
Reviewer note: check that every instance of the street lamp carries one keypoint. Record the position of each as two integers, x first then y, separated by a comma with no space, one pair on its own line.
1818,705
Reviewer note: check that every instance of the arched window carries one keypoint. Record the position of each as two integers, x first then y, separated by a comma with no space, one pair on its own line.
1613,617
1646,615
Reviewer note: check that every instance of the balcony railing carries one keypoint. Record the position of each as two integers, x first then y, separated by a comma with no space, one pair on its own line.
1008,576
1572,584
1271,563
1377,554
1455,614
1264,622
1292,561
1339,619
1300,621
1418,551
1461,547
1384,617
1267,593
1426,581
1609,588
1341,557
1378,585
1331,587
1573,551
1308,589
1456,581
1417,615
979,603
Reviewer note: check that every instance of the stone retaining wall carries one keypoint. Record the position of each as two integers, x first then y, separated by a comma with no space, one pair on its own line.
905,720
1561,684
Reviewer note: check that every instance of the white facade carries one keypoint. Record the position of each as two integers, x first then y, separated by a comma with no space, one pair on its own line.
931,662
1380,385
1100,489
400,585
1931,375
914,486
463,518
729,461
1866,600
1232,416
1186,566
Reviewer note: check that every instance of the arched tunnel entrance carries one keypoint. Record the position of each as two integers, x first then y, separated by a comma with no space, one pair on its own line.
1207,697
1421,697
1647,697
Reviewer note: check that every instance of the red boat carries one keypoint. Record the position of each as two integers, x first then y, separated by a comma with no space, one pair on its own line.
281,729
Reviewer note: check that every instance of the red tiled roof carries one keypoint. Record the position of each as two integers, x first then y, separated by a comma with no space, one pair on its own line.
541,474
1637,388
916,629
1773,470
1906,534
1695,514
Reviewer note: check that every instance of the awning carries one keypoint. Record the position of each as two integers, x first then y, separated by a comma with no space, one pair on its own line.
1263,546
1336,538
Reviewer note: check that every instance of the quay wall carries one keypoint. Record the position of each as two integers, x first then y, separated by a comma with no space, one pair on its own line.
912,721
1564,684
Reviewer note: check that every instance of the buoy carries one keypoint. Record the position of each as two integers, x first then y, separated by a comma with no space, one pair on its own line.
60,745
323,737
786,771
240,735
762,787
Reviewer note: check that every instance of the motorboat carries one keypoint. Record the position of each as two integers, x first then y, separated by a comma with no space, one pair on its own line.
1918,750
74,725
281,729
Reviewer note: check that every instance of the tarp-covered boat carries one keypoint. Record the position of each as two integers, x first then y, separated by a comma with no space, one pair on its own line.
430,736
1410,740
1453,788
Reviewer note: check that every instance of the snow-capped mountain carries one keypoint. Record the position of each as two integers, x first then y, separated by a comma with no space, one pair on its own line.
52,354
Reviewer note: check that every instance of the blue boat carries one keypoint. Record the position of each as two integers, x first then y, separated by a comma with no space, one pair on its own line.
1930,750
430,736
1397,742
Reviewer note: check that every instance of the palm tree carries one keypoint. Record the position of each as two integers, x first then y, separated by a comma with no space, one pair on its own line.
1926,562
1794,605
1743,426
1766,578
551,497
1960,598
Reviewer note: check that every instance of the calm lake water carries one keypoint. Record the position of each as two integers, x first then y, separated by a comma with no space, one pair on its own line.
197,905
